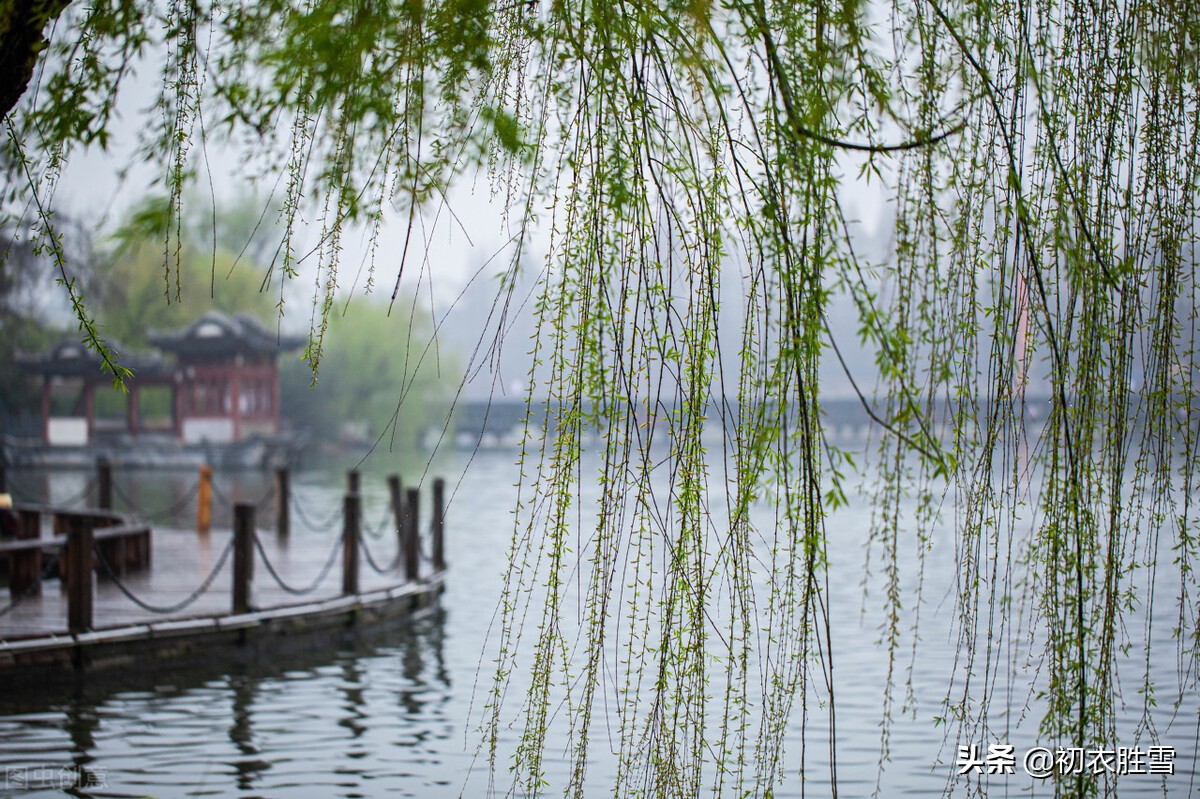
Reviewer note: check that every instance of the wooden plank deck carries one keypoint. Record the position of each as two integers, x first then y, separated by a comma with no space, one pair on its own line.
182,559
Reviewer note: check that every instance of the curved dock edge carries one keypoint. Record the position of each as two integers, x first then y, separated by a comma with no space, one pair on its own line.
259,633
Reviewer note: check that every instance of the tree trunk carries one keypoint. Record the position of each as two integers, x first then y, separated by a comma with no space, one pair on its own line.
22,39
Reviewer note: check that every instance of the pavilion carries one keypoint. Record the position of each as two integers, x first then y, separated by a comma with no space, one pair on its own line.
222,381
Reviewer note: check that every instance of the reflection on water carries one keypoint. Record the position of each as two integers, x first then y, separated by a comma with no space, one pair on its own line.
395,716
378,717
346,722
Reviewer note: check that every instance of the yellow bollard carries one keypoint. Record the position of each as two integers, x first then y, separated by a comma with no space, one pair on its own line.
204,500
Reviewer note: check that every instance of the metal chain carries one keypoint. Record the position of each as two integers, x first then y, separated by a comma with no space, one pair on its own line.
82,495
224,500
169,513
304,517
219,494
20,493
164,609
266,497
279,580
375,567
378,530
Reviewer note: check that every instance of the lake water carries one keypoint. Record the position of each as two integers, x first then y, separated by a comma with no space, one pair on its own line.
398,716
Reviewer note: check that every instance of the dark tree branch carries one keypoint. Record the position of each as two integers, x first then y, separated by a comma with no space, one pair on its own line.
22,39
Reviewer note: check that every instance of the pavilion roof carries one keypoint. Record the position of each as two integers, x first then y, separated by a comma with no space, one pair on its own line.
218,333
71,358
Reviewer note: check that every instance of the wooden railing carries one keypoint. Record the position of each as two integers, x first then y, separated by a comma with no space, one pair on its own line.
79,542
74,535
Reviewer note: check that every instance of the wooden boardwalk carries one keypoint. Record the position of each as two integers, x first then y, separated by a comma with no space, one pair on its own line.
121,593
117,592
183,559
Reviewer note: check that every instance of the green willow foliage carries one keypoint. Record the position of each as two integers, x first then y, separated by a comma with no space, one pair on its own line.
1042,159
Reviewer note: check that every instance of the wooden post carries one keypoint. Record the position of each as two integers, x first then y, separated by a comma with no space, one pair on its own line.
204,500
412,505
31,523
397,499
352,481
104,491
25,573
283,501
243,555
80,567
438,525
25,567
350,545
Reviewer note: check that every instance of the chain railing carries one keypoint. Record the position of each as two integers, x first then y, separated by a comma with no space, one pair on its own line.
383,527
409,544
227,502
375,567
307,520
337,548
75,499
171,512
19,494
164,609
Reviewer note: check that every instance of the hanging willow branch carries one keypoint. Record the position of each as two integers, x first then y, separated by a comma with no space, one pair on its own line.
667,597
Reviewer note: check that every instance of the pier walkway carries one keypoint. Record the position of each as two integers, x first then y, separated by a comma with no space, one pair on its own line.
170,582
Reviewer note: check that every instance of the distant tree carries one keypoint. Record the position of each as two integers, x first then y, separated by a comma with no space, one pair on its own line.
133,295
382,375
21,280
27,291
